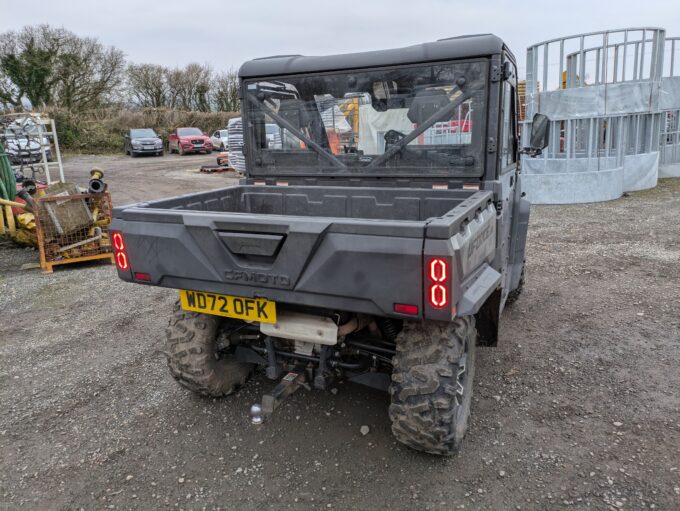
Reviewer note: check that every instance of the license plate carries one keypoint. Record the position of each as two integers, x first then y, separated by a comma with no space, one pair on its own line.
252,309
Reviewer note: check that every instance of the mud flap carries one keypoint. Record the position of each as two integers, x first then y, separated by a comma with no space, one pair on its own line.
477,288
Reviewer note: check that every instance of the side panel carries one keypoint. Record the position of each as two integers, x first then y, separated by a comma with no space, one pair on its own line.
520,228
468,253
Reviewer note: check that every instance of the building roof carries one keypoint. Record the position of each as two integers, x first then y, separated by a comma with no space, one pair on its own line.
444,49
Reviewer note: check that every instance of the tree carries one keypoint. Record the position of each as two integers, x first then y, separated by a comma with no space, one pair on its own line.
148,85
53,66
28,75
189,88
27,65
89,73
226,91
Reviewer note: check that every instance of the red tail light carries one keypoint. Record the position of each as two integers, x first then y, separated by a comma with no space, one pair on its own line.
122,261
120,251
438,270
438,294
118,242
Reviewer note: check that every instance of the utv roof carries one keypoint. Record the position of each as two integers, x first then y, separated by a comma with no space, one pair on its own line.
480,45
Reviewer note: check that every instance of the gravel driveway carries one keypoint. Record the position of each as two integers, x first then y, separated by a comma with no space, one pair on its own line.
577,408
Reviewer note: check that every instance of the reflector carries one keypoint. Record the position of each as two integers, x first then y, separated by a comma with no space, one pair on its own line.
404,308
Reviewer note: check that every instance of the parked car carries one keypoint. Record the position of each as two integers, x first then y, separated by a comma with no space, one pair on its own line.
189,140
21,140
143,141
220,139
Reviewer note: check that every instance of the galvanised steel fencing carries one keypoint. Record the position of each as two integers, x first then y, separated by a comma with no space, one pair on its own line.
613,98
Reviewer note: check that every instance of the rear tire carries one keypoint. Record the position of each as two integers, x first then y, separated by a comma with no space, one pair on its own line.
193,358
431,387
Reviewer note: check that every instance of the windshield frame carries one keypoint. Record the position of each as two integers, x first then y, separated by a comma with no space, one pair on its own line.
324,165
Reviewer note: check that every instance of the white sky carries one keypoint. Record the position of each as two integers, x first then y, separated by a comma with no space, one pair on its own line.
224,33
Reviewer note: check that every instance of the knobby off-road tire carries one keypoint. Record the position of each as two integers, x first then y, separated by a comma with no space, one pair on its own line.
431,386
193,359
515,293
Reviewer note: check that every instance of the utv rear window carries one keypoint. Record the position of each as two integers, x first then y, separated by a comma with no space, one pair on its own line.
407,120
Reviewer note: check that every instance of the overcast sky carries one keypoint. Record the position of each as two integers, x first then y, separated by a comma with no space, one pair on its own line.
224,34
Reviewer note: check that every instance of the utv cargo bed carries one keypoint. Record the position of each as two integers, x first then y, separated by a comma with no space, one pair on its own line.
305,245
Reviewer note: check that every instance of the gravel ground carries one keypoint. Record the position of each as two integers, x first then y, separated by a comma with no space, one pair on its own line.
577,408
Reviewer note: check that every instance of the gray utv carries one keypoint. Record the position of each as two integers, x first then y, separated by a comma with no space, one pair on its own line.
376,236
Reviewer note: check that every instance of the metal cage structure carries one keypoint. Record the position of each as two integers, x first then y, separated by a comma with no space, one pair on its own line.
38,155
73,227
613,98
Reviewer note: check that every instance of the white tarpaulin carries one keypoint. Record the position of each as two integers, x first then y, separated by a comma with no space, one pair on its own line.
373,125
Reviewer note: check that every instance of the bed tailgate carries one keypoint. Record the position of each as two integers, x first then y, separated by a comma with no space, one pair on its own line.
345,264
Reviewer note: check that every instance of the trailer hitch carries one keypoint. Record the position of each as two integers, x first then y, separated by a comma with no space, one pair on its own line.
291,382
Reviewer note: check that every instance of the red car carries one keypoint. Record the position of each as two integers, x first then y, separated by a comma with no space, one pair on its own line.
189,140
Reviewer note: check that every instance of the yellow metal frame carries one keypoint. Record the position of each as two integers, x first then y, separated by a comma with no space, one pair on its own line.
6,216
47,267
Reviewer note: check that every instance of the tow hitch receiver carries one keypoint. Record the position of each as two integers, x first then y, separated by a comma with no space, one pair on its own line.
291,382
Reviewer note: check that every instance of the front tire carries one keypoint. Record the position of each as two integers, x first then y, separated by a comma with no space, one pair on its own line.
431,389
193,358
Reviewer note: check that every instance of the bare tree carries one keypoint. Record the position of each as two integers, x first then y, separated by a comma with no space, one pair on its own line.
189,88
225,91
147,84
89,73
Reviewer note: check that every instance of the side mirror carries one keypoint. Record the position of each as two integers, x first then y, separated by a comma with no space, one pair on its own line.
540,132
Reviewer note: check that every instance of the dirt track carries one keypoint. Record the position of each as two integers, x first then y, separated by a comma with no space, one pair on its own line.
578,407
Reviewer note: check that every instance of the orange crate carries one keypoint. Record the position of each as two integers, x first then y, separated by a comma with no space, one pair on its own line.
73,228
